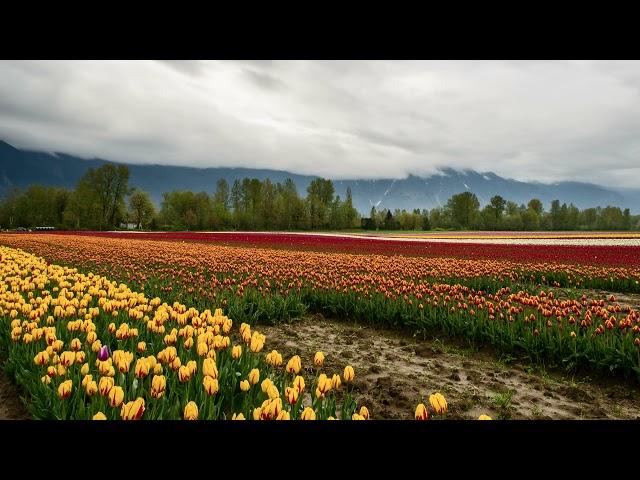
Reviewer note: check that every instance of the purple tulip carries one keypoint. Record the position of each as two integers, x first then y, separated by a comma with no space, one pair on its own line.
103,354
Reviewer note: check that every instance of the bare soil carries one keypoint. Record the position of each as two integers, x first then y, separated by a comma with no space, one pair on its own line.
11,407
395,371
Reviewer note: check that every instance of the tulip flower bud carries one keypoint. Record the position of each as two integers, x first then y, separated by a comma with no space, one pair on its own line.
142,347
318,359
484,417
438,403
356,416
266,383
142,368
209,368
245,386
92,336
239,416
41,358
67,358
75,344
236,352
364,412
254,376
96,346
158,385
284,415
184,374
62,371
105,385
421,412
91,388
80,357
99,416
298,383
203,349
157,369
348,374
308,414
291,394
46,379
210,385
257,413
132,410
86,379
294,365
272,391
103,354
64,389
335,381
116,396
191,411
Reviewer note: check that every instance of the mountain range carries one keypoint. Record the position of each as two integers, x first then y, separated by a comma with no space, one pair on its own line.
24,167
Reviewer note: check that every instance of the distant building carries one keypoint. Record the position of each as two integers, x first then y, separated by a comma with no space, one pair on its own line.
38,229
129,225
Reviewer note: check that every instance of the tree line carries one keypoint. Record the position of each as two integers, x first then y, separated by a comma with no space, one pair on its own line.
103,200
462,211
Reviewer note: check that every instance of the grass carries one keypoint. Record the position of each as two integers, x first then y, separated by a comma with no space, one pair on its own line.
502,401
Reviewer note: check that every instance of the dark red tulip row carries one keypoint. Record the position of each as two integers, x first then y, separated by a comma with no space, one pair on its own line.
628,256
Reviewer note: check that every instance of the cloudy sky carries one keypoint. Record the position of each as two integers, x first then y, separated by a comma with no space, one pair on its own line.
529,120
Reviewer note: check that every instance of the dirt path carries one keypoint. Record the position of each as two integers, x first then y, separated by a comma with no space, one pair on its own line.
394,371
11,407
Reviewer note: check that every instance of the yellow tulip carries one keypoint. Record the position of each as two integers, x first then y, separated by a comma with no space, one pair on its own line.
209,368
191,411
91,388
132,410
158,369
266,383
96,346
294,365
116,396
62,371
142,347
318,359
188,343
484,417
323,386
105,385
257,413
356,416
210,385
92,336
85,369
52,371
348,374
308,414
203,349
64,389
272,391
184,374
254,376
41,358
80,357
236,352
291,394
274,358
142,368
176,364
284,415
335,381
46,379
364,412
438,403
298,383
67,358
239,416
99,416
244,386
86,379
158,385
421,412
75,344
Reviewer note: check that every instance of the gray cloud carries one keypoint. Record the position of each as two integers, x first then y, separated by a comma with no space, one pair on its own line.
529,120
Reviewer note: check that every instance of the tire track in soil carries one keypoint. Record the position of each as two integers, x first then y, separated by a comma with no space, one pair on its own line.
394,371
11,407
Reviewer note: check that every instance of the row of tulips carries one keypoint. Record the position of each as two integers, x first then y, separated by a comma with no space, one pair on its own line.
492,303
85,347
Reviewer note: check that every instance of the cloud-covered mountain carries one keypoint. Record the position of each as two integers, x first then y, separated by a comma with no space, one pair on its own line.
22,168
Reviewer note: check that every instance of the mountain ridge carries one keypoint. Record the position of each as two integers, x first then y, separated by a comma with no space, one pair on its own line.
23,167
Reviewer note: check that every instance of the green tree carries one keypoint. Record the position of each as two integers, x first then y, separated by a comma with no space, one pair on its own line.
141,208
464,209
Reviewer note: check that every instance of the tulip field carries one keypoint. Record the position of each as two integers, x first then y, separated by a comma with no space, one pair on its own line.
168,326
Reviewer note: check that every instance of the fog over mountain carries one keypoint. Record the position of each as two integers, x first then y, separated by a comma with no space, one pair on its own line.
22,168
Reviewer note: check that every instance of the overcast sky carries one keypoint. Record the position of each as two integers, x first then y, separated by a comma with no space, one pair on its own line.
529,120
